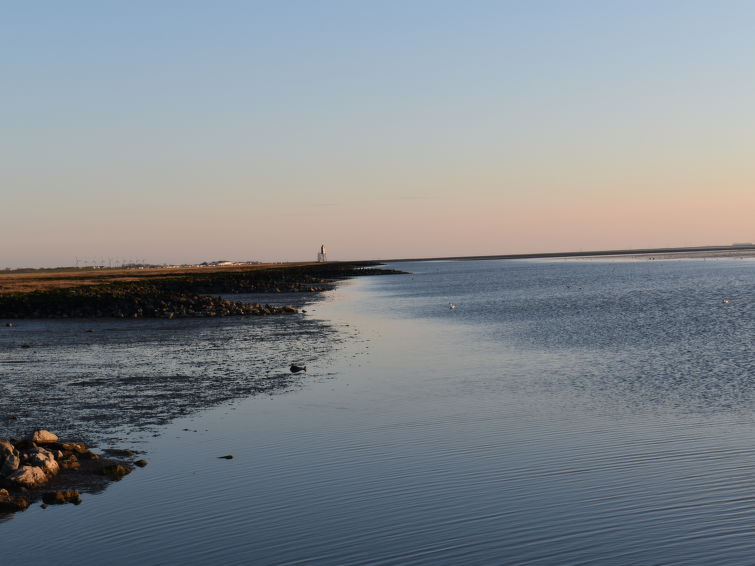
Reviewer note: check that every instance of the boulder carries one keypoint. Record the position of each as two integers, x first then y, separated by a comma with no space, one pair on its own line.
69,462
29,477
6,448
61,497
42,436
78,447
12,503
40,451
41,458
115,472
11,463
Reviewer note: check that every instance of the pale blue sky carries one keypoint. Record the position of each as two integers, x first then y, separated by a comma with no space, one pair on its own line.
186,131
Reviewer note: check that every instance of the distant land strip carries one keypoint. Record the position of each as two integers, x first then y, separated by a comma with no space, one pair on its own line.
700,251
241,278
143,294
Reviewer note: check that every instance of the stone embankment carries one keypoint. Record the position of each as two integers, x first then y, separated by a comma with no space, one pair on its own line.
40,466
189,295
111,302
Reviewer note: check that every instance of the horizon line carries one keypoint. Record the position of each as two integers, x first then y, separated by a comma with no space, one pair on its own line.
591,253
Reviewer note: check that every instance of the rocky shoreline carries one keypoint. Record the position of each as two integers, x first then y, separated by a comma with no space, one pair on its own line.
42,467
142,302
182,296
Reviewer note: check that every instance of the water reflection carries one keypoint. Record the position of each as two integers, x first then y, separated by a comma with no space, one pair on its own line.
491,434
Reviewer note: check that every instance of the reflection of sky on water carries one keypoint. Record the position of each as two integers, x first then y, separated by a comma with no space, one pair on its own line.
435,439
639,333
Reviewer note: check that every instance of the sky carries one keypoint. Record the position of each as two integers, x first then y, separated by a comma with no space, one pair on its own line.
180,131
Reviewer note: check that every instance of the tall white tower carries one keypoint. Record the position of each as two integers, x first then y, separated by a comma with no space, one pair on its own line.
322,255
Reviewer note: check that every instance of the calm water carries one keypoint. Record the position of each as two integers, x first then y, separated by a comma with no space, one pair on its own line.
566,412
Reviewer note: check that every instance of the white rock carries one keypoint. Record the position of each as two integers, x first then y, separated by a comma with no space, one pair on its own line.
28,476
41,436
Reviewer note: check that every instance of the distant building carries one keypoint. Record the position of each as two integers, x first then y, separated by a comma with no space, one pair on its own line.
221,262
322,255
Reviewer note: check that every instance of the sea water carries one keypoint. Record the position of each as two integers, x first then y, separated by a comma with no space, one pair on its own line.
565,412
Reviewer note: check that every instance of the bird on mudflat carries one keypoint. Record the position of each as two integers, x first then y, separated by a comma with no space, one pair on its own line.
296,369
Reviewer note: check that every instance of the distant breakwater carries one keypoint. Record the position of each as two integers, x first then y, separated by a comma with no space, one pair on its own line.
189,295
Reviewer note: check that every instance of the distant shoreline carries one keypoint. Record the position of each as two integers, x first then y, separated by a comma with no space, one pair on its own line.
667,253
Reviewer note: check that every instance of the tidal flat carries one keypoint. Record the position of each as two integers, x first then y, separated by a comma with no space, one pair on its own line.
108,378
90,376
